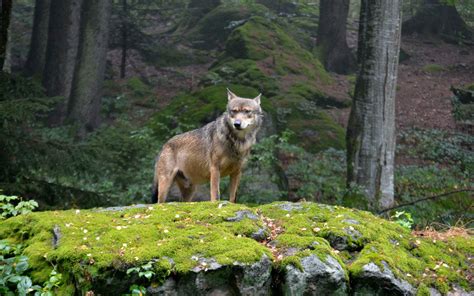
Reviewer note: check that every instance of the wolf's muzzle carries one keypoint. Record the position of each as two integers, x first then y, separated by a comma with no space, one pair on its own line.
237,124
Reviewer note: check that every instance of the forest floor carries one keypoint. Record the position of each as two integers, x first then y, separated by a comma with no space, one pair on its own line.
424,80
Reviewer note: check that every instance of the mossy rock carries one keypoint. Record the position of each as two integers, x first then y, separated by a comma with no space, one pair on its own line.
319,133
260,38
310,92
244,72
315,130
196,109
218,243
212,30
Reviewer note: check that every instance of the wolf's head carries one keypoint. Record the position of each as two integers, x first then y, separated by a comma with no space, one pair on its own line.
243,114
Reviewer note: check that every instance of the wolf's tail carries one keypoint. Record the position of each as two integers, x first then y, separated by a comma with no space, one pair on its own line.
154,186
154,192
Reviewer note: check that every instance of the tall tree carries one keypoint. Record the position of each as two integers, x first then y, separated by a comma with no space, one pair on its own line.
371,129
438,18
5,13
61,52
85,100
332,45
124,31
39,39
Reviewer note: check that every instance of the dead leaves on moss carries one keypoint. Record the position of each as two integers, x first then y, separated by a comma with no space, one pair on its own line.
432,233
274,230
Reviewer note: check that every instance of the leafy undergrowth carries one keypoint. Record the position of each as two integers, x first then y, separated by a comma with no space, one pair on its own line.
87,245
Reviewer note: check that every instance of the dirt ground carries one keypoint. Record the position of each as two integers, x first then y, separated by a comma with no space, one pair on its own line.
423,97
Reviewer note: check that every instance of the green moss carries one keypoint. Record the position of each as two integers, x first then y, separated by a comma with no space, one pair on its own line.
470,86
134,236
310,92
94,244
243,72
314,129
378,240
423,290
213,29
136,85
433,68
259,39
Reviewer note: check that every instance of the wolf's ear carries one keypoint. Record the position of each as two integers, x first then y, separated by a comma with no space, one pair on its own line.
257,99
230,95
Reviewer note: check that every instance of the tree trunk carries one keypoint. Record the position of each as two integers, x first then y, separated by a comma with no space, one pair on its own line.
4,25
7,63
371,129
61,52
39,39
332,45
85,100
438,18
123,64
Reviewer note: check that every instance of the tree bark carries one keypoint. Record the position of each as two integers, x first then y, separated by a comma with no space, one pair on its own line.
371,128
438,18
332,45
123,63
6,11
61,52
39,39
84,103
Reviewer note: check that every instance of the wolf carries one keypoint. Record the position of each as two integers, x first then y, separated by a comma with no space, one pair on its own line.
216,150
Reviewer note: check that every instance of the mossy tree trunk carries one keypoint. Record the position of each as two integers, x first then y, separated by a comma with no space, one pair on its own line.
61,52
437,17
332,45
6,10
84,103
371,129
39,39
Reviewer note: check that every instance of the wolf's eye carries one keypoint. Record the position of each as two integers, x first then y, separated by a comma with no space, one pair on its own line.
247,111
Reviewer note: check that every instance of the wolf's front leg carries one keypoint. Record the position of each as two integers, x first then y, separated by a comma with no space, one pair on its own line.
215,176
234,184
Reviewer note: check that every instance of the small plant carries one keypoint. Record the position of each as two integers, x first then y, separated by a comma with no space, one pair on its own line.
438,146
144,271
403,219
53,282
12,268
9,209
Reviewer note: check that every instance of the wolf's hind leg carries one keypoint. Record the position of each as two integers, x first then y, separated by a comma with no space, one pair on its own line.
166,171
164,185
